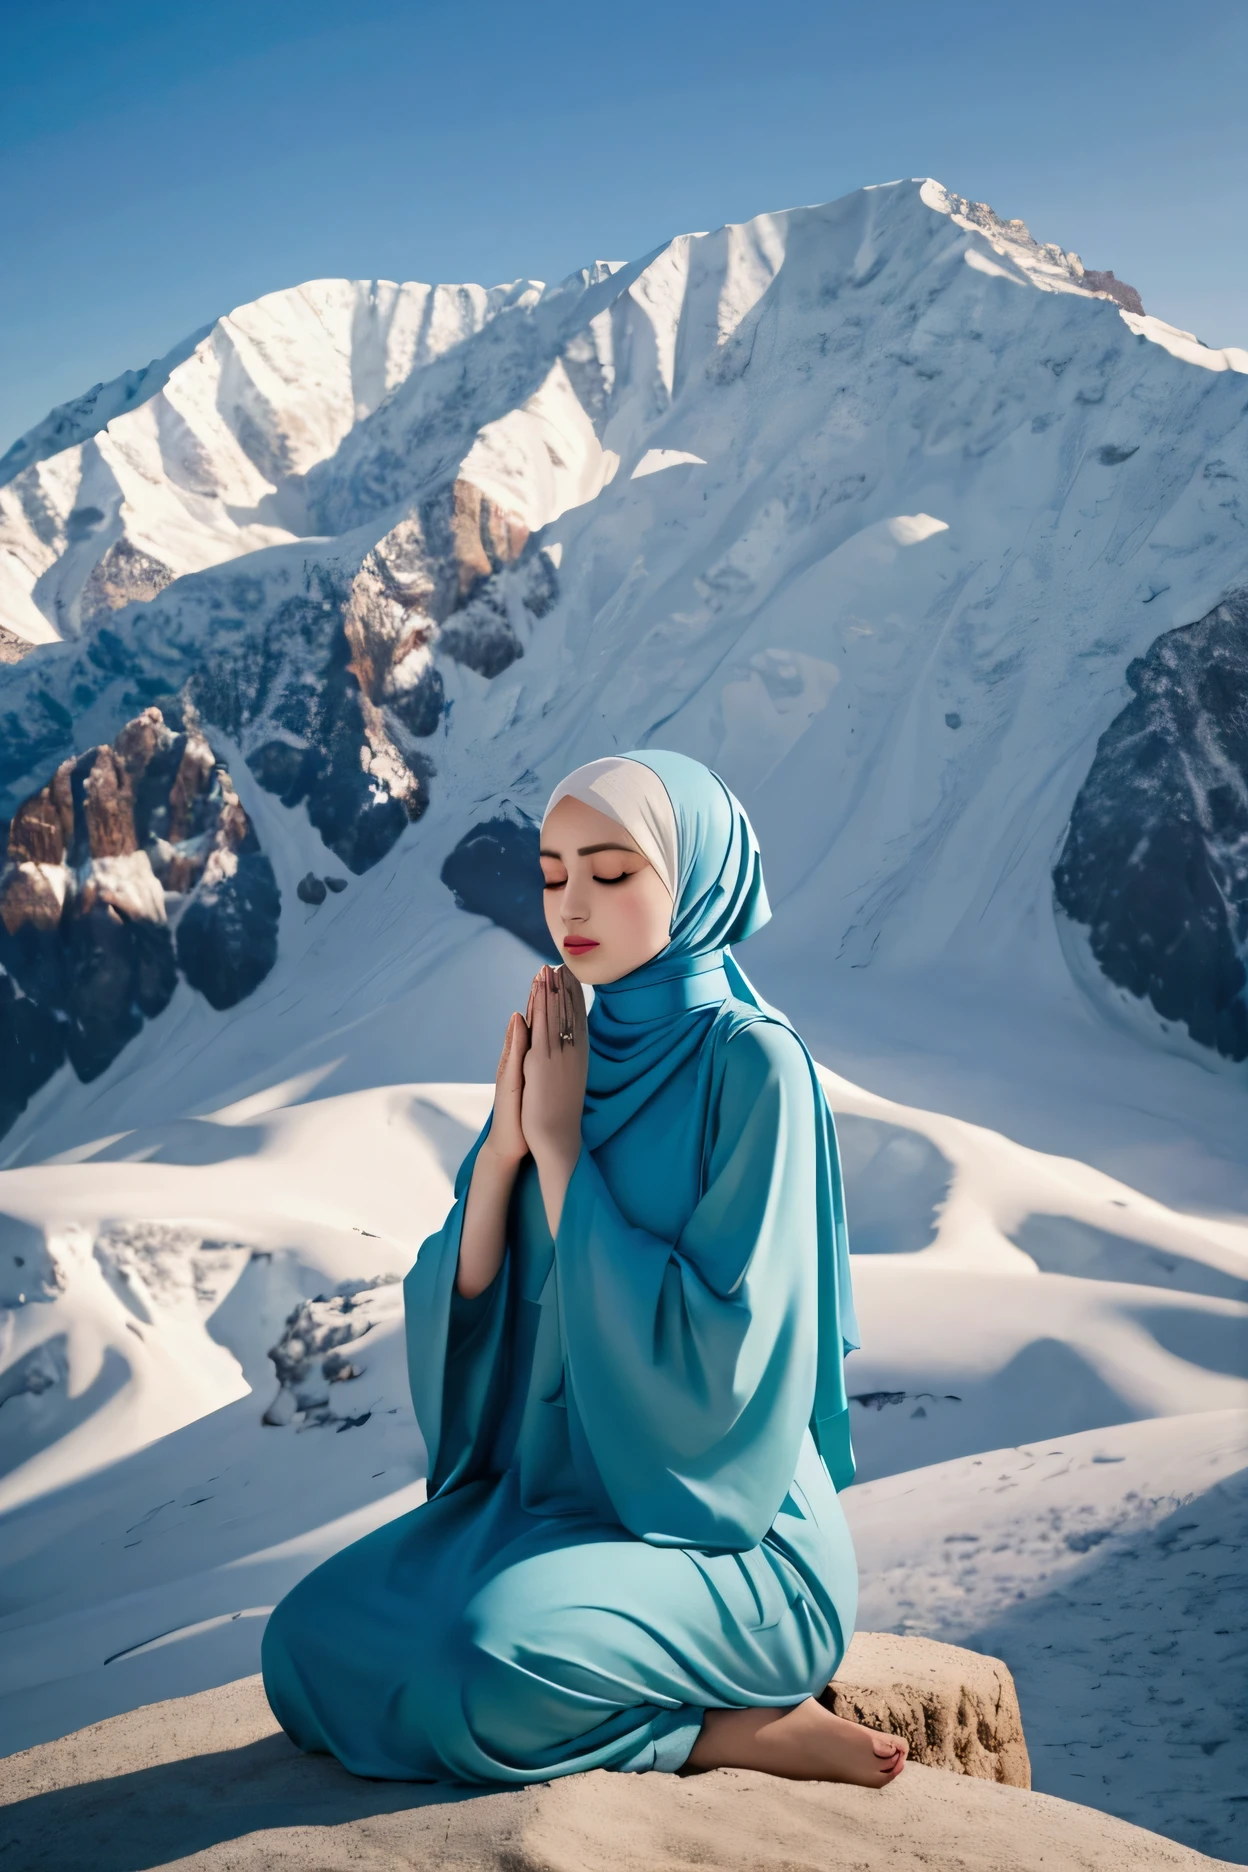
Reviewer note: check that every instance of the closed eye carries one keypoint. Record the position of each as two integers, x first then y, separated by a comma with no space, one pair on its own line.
621,877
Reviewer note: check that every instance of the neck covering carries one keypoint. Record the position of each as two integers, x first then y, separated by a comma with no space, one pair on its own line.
650,1023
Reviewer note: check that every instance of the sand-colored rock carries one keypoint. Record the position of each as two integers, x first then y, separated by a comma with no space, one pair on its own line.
209,1782
957,1709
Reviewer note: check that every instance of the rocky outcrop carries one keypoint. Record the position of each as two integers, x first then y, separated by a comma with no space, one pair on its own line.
135,862
343,688
1155,864
125,575
493,872
41,1369
1117,290
430,581
310,1360
313,890
332,689
957,1709
209,1782
1014,237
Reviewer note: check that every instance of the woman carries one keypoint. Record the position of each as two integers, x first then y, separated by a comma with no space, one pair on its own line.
625,1349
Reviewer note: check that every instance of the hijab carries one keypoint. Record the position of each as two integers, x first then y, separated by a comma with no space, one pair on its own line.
646,1026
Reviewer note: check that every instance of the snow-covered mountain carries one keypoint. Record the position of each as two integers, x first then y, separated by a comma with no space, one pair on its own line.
933,542
886,471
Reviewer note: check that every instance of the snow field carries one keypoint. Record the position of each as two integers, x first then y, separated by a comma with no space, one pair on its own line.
197,1515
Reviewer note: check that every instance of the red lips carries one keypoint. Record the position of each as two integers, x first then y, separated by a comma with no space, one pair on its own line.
578,945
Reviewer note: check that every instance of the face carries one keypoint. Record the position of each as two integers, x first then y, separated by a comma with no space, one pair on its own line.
606,906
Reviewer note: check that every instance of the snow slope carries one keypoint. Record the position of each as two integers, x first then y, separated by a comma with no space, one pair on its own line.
203,456
872,505
1109,1568
199,1505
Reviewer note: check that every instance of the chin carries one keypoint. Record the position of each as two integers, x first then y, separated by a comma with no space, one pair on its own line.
590,969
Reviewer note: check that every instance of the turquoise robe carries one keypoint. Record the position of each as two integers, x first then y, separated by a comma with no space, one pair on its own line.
628,1520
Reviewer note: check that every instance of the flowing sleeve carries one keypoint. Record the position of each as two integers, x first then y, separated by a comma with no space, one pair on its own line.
690,1365
456,1350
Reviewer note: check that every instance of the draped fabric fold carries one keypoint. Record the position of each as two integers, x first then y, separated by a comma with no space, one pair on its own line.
644,1027
634,1433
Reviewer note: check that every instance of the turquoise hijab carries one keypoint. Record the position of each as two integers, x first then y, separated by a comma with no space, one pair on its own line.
645,1026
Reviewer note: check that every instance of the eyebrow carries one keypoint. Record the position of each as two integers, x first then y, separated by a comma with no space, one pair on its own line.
587,851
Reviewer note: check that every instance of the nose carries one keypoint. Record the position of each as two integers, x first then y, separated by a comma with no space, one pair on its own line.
574,902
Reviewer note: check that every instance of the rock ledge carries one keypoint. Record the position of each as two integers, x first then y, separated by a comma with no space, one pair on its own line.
957,1709
209,1782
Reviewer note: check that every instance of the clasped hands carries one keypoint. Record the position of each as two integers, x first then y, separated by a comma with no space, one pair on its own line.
539,1094
539,1090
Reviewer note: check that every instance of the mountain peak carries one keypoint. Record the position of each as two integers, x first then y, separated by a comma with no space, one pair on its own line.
1044,262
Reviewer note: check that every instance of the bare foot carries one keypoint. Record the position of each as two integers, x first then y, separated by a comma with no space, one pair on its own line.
807,1743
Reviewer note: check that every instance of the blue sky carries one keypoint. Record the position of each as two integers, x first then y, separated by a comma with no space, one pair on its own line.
162,162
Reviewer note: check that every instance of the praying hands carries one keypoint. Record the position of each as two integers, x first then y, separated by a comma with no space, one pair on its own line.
539,1093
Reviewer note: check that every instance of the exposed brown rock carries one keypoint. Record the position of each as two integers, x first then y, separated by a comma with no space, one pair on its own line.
31,894
40,828
1115,289
66,860
114,869
472,561
108,803
957,1709
401,563
61,793
88,946
34,881
505,534
1016,232
484,536
431,589
125,575
12,647
189,819
412,582
375,623
140,739
233,825
192,780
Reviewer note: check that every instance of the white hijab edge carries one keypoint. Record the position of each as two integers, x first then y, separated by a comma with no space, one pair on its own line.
635,797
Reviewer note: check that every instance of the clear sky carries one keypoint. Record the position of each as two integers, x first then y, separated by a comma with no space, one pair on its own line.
164,160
